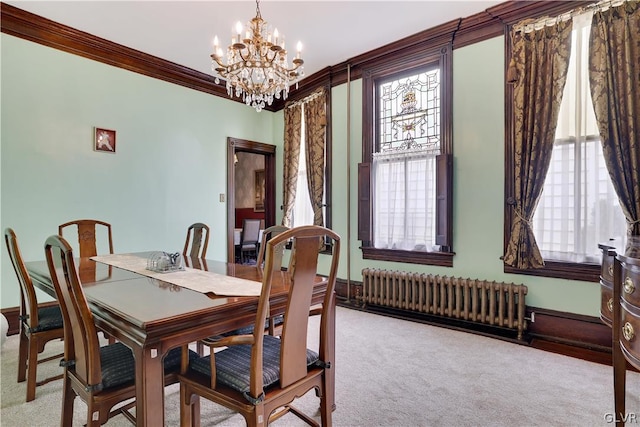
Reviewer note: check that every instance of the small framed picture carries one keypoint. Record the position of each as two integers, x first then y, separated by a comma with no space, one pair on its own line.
105,140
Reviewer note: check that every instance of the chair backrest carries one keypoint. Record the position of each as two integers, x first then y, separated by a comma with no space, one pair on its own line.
81,345
293,354
250,232
198,238
87,235
28,298
267,235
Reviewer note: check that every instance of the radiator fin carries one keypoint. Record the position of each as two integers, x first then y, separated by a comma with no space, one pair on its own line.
487,302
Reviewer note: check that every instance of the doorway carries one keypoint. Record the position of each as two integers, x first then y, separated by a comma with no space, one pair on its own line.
235,146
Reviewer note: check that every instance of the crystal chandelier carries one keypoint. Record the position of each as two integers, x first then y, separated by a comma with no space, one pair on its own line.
257,69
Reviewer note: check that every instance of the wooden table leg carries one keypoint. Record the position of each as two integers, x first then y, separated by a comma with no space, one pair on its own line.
149,387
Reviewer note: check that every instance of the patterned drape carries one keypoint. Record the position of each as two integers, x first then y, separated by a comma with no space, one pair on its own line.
315,120
539,66
614,76
292,136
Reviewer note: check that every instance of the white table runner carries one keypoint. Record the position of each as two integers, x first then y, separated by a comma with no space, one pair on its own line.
197,280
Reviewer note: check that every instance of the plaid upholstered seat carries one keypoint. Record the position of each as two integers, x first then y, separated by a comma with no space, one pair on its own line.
118,364
49,317
233,364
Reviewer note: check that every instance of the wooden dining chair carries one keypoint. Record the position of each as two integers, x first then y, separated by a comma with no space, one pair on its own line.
249,238
198,240
257,374
86,231
102,377
39,323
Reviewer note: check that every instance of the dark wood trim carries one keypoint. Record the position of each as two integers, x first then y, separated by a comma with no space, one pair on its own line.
476,28
510,12
561,270
235,145
568,328
13,318
442,259
465,31
570,334
28,26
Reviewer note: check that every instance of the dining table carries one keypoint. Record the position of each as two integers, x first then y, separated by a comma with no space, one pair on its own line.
152,315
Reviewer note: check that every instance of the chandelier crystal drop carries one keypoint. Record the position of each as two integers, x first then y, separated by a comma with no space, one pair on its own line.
257,69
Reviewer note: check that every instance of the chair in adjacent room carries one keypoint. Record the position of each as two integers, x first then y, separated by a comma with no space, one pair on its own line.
197,241
249,238
267,235
39,323
258,374
102,377
86,229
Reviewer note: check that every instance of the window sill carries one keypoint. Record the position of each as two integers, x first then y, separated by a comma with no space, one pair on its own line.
442,259
562,270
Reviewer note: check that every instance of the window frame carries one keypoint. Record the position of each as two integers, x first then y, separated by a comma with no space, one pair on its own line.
439,56
588,272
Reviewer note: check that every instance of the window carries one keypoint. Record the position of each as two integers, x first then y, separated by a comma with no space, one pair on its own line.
578,207
404,211
302,210
307,161
404,162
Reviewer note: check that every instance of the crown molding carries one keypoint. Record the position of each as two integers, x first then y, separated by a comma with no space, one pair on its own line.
461,32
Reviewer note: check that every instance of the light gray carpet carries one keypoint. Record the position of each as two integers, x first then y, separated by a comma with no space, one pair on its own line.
392,373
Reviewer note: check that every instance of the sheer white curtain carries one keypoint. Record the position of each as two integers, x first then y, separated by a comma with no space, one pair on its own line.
302,209
578,208
401,222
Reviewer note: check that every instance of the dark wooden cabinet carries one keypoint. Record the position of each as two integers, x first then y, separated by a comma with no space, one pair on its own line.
620,309
629,265
606,284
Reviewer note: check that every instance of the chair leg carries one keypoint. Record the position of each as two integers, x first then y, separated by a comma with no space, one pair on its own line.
325,409
256,418
68,397
189,407
93,415
325,412
32,366
23,353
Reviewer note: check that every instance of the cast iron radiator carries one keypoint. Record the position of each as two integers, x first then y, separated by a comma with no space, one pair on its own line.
491,303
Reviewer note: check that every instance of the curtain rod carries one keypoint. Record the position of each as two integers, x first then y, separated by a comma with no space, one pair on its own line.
529,25
306,99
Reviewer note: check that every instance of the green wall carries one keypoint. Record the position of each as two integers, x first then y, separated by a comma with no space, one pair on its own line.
168,171
170,163
478,132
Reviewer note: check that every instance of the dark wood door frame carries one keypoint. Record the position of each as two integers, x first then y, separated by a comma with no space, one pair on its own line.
235,145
